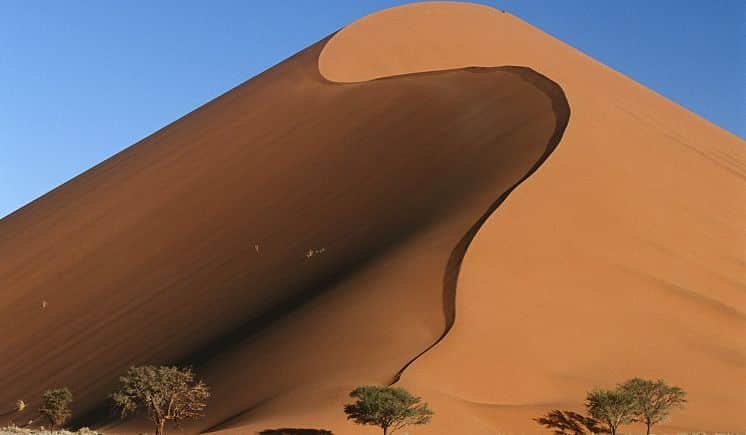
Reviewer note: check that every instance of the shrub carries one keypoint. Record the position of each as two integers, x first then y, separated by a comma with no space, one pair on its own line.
654,400
612,407
165,393
387,407
55,406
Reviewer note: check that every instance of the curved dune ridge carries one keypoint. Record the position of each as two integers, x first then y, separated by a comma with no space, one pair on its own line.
639,270
334,221
290,237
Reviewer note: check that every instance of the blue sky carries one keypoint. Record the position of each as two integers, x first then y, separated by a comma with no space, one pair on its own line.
82,80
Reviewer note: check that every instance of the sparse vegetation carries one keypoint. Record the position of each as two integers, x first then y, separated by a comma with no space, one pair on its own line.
169,393
164,393
635,401
18,407
390,408
654,400
611,407
14,430
55,407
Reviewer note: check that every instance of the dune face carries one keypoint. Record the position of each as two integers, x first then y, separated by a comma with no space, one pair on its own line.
292,232
344,218
637,272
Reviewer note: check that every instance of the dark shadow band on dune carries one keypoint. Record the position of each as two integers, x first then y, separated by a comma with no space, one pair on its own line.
450,277
236,337
154,248
562,112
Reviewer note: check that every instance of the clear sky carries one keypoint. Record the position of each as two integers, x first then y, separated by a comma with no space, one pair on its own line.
82,80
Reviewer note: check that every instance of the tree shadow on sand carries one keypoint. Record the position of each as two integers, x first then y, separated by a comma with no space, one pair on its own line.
571,423
295,431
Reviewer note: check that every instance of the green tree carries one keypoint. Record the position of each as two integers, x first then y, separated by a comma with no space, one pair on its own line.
654,400
611,407
390,408
165,393
55,406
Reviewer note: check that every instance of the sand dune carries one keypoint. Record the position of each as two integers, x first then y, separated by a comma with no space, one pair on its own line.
244,225
311,230
623,256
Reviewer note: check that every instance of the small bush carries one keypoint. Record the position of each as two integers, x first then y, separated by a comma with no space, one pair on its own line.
390,408
55,406
13,430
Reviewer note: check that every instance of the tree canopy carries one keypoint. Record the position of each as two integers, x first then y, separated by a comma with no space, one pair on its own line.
55,406
611,407
390,408
165,393
654,400
634,401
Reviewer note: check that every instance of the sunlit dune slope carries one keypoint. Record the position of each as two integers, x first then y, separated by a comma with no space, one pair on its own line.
293,233
623,256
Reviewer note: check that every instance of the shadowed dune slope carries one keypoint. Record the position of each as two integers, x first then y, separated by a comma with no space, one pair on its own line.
623,256
291,237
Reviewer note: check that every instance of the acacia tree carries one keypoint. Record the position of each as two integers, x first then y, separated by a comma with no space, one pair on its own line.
390,408
654,400
571,423
612,407
55,406
165,393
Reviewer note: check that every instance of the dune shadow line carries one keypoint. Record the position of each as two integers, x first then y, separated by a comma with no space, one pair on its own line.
201,356
561,109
